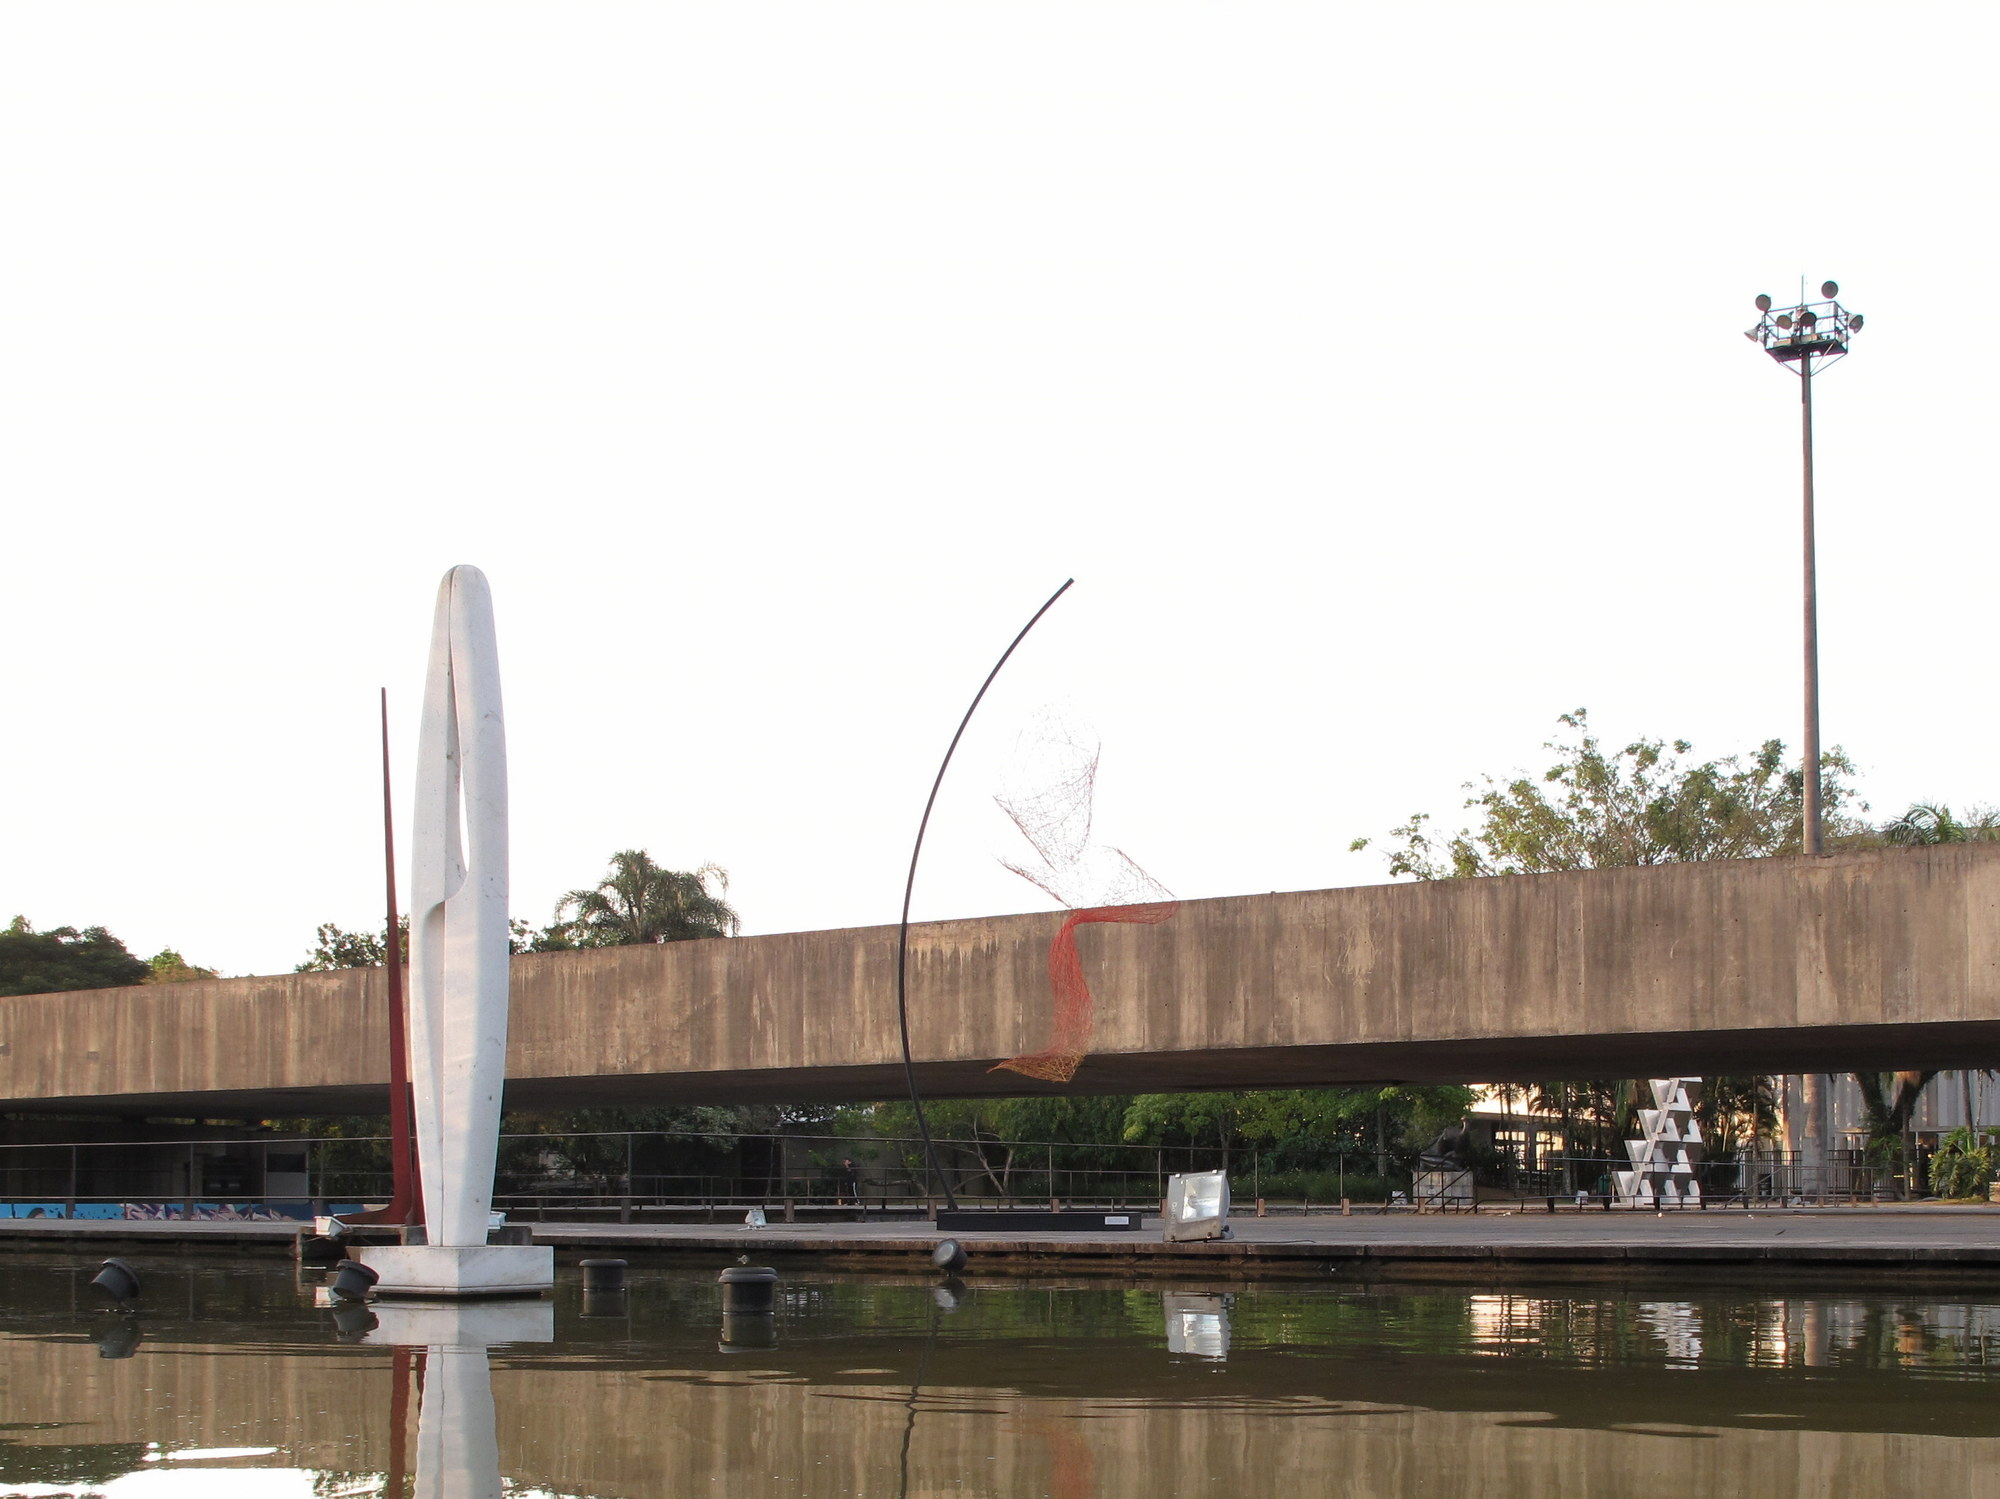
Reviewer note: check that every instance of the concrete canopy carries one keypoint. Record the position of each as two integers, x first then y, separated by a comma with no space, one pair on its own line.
1886,958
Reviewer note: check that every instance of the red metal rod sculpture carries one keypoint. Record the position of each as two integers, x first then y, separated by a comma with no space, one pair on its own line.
406,1203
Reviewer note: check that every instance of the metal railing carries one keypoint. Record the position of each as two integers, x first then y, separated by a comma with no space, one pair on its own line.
629,1173
1775,1177
658,1175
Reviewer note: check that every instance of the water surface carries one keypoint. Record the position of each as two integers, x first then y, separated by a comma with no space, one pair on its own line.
231,1382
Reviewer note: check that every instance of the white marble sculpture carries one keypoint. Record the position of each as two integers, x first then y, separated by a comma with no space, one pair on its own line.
458,965
1668,1148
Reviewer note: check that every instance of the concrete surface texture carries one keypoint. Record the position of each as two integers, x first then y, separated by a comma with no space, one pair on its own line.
1884,958
1861,1243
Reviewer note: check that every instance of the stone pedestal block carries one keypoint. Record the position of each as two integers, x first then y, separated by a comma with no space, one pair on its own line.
443,1270
1443,1189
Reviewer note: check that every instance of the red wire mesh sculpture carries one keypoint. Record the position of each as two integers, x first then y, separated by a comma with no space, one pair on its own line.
1050,798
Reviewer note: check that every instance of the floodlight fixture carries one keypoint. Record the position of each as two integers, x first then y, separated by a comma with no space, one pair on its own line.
1808,337
1197,1206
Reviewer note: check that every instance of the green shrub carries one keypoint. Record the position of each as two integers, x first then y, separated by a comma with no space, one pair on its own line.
1964,1165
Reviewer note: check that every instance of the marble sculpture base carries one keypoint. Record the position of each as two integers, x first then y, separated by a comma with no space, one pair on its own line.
445,1270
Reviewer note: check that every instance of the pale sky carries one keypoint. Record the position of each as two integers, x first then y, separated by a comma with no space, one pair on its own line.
1376,371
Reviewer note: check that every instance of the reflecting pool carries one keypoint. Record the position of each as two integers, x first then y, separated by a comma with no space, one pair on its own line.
230,1381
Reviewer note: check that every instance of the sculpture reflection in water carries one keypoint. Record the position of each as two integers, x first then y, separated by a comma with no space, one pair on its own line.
458,1449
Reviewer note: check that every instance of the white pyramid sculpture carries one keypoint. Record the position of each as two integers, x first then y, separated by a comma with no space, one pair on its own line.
1667,1150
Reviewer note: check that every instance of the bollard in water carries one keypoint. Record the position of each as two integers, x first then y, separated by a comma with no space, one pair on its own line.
353,1281
603,1275
120,1340
748,1289
353,1321
117,1280
949,1255
742,1331
605,1303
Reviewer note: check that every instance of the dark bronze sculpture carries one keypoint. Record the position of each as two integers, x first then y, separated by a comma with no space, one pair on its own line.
1451,1150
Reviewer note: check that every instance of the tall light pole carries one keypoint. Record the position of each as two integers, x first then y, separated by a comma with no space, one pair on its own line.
1797,336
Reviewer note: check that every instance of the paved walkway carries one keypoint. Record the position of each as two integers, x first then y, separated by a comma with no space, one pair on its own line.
1895,1240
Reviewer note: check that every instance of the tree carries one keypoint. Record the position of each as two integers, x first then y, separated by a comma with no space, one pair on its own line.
1642,804
169,967
334,948
638,902
1301,1128
1736,1110
523,936
64,958
1888,1103
1929,823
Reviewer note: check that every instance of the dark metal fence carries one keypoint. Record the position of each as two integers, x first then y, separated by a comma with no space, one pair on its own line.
654,1174
627,1173
1776,1177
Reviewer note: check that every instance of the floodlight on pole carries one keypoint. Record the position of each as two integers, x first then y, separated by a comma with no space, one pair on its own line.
1798,336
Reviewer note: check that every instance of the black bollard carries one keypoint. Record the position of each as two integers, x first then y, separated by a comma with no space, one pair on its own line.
603,1275
949,1255
748,1289
744,1331
353,1321
353,1281
605,1303
120,1340
117,1280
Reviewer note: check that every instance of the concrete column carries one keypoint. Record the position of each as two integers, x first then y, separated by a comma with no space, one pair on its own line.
1812,1150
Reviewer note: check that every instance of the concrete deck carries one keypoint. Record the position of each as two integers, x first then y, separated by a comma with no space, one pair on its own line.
1880,958
1959,1243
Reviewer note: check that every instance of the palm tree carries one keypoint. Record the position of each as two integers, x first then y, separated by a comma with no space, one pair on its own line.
1888,1103
638,901
1928,823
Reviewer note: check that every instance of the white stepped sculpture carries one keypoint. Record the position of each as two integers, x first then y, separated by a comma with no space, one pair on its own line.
458,966
1668,1148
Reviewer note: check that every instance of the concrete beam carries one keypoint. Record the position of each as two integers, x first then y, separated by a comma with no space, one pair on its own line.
1881,959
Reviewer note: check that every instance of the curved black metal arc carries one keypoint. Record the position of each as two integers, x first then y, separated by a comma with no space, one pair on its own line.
909,888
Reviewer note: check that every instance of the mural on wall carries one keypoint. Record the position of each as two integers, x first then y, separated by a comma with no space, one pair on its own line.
210,1212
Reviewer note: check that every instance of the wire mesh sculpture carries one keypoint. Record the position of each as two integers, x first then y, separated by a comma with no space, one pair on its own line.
1050,796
